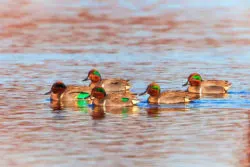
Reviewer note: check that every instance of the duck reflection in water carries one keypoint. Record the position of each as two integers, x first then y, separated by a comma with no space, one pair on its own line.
97,113
123,111
156,111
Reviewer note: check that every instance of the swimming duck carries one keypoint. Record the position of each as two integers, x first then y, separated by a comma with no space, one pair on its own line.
60,92
110,85
167,97
121,99
198,85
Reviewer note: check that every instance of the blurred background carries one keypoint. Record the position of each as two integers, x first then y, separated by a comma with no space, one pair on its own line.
96,26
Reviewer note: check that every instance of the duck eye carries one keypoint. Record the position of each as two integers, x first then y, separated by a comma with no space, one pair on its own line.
197,77
97,73
156,87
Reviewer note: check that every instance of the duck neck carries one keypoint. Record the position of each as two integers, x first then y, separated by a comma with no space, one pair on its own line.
95,79
153,99
99,102
55,96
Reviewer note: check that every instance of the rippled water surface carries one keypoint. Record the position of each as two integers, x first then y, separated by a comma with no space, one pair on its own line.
144,41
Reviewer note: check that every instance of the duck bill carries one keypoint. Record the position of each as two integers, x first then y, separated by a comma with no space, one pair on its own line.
143,93
86,79
186,84
47,93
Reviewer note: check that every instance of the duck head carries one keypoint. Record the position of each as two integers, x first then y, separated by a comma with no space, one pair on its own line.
56,90
98,92
94,76
194,79
153,89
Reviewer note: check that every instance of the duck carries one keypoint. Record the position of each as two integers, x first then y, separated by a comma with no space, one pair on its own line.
198,85
110,85
167,97
99,97
59,92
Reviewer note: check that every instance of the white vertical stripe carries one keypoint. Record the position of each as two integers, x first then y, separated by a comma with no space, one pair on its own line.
104,106
61,96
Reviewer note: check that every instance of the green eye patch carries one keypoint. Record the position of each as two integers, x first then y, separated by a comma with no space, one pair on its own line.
197,77
100,90
125,99
156,87
83,95
97,73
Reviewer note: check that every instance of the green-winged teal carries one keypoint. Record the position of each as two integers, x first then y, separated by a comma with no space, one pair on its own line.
198,85
60,92
167,97
110,85
101,98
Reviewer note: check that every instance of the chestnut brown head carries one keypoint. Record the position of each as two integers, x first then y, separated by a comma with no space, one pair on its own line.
56,90
94,76
194,79
98,92
153,89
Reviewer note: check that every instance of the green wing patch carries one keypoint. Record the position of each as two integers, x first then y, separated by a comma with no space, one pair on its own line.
125,99
83,95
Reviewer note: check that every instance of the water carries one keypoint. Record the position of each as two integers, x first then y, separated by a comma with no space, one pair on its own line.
144,41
